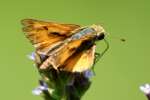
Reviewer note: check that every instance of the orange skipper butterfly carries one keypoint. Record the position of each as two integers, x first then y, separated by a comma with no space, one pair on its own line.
67,47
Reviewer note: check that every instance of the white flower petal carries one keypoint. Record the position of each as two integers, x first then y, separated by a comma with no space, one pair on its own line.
37,91
145,88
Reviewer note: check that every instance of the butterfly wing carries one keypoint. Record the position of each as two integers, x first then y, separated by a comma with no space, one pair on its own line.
70,61
46,35
61,54
58,56
81,61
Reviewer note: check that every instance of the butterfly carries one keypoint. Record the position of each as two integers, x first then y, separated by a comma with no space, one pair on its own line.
66,47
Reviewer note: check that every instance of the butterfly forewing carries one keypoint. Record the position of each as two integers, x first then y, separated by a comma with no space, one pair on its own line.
46,35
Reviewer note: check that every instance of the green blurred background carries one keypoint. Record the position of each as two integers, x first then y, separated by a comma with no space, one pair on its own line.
119,73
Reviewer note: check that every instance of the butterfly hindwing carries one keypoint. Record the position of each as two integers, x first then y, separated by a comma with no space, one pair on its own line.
61,54
81,61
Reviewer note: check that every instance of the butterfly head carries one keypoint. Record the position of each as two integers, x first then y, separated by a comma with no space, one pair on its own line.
100,32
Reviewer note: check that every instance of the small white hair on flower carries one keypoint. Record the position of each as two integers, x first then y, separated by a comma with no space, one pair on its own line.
145,88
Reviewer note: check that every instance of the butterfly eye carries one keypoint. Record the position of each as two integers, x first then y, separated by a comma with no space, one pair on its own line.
100,36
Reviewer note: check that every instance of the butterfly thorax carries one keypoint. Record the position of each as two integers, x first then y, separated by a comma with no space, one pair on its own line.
84,32
93,31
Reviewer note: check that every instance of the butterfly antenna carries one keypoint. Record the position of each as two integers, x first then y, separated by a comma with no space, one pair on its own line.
116,38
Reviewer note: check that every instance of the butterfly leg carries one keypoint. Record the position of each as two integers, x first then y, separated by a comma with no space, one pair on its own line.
96,59
99,55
